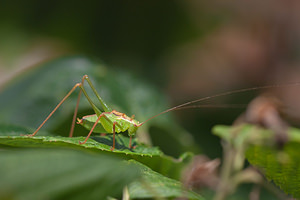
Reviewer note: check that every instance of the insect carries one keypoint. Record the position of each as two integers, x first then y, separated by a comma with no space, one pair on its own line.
111,121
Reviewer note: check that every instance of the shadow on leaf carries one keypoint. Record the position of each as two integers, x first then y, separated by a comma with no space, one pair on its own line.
122,143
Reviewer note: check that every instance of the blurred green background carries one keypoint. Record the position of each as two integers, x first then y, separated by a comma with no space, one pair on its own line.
187,49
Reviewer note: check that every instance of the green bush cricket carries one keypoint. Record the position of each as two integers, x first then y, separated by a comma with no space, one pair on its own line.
111,121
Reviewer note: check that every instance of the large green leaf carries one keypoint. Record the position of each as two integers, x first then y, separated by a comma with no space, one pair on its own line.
155,185
151,156
103,143
28,99
62,174
282,166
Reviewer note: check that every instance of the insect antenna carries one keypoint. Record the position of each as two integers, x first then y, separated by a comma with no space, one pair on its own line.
186,105
213,106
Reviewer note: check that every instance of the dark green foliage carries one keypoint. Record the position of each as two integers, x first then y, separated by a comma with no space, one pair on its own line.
26,101
53,166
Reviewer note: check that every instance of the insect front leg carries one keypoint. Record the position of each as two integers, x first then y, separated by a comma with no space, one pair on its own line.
130,142
114,135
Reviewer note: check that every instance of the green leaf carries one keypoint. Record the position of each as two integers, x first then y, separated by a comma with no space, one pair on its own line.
14,130
155,185
103,143
62,174
282,166
150,156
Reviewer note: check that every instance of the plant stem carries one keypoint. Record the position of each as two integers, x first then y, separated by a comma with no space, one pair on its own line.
224,186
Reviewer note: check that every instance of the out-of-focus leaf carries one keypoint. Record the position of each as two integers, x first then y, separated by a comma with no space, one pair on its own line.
155,185
244,135
14,130
282,166
29,98
62,174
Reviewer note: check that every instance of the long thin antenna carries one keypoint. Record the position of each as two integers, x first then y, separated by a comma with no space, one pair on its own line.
214,106
181,106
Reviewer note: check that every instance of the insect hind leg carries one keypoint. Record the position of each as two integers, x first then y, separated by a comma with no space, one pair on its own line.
80,85
53,111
